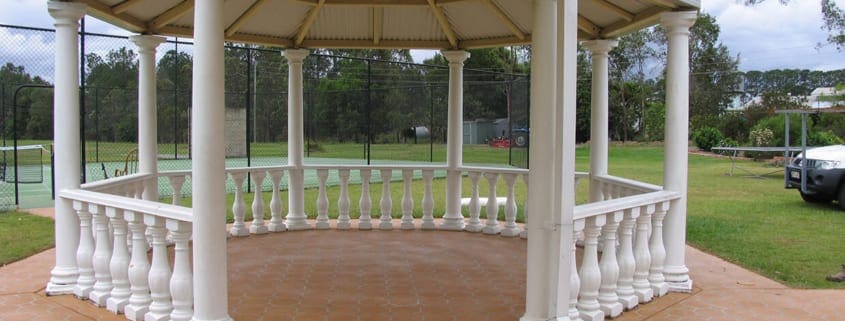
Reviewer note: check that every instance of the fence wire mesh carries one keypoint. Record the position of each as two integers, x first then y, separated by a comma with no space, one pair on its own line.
376,110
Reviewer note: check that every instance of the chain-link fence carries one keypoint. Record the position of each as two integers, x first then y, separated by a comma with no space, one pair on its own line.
357,110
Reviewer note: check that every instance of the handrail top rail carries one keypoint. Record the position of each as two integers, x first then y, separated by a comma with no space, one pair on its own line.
174,212
623,203
627,182
114,181
501,170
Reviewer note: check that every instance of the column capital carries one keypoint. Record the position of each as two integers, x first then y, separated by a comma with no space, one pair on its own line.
679,21
455,56
600,46
295,55
66,12
147,42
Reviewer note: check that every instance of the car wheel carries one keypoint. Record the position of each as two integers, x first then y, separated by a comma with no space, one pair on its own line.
521,139
841,197
815,198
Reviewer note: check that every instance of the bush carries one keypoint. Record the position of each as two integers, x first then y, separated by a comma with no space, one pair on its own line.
823,138
706,138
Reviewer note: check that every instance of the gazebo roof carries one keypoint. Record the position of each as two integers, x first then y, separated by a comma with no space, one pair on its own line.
434,24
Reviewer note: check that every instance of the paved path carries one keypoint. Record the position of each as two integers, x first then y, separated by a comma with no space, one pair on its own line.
408,284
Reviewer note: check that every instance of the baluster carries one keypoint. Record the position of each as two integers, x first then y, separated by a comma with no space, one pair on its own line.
627,264
127,190
523,233
176,183
588,304
609,267
276,222
258,226
492,226
139,190
407,200
343,200
474,225
322,201
102,256
658,251
574,280
607,191
428,201
159,277
239,206
642,256
139,268
182,282
510,229
365,221
84,253
119,264
386,200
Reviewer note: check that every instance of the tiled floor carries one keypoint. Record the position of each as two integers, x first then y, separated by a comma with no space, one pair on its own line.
417,275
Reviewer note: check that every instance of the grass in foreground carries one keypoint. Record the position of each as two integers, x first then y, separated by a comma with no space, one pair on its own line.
22,235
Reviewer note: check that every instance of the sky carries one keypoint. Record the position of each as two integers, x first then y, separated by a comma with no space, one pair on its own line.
765,36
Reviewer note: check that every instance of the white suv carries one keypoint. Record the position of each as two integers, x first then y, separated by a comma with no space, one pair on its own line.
825,170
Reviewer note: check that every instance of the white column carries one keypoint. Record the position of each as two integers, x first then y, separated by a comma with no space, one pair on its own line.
147,123
208,176
66,140
564,171
541,183
675,163
295,219
599,112
453,219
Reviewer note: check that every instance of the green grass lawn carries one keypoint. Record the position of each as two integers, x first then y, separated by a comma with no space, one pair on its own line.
22,235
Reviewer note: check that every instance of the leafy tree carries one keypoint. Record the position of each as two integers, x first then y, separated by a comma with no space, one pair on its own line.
112,83
174,80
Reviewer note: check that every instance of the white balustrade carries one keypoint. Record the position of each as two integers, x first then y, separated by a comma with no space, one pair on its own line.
322,201
510,229
609,267
176,183
276,222
574,279
492,225
258,226
658,251
407,200
524,234
642,287
474,225
627,263
119,264
428,201
386,202
84,252
588,304
365,203
159,276
139,268
102,257
181,282
239,206
343,220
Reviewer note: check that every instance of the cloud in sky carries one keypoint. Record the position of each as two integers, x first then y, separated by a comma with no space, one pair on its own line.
775,36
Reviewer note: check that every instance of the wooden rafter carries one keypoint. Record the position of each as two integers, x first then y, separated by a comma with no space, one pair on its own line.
505,19
625,14
444,23
495,42
171,14
123,6
379,3
588,26
121,20
364,44
664,3
306,24
378,24
642,19
253,8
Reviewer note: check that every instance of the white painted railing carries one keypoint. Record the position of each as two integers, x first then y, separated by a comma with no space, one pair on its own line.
116,228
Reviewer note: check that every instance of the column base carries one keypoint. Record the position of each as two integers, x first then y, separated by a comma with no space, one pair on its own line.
472,228
488,229
385,226
510,232
644,295
592,315
681,287
99,298
239,231
611,310
629,301
156,317
62,281
135,313
82,292
258,229
297,223
428,225
677,278
116,306
452,224
277,227
322,225
365,226
660,289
